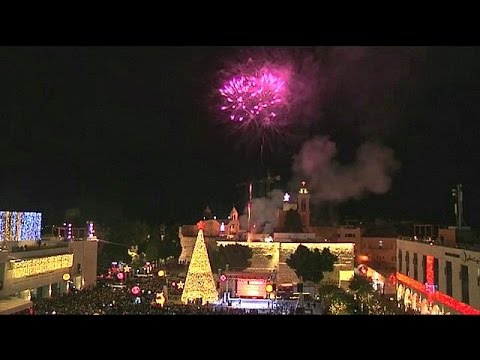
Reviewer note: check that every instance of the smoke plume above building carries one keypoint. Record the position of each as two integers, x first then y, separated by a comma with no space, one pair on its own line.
264,212
329,180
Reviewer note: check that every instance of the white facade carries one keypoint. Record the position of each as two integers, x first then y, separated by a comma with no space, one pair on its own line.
456,272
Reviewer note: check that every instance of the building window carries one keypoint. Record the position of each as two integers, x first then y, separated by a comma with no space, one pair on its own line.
464,279
448,275
424,268
400,260
415,266
407,263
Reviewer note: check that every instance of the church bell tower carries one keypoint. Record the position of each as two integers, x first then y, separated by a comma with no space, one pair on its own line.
303,205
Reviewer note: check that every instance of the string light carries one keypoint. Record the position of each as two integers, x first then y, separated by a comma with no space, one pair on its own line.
2,226
438,296
13,225
42,265
20,225
200,283
7,230
69,231
430,270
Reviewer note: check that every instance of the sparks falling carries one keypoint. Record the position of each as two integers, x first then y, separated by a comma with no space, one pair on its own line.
254,98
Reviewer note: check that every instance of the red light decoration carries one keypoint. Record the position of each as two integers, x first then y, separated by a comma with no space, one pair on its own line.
136,290
201,225
455,304
223,278
120,276
392,279
438,296
430,272
414,284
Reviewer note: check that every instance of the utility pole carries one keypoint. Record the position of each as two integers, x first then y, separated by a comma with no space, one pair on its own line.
268,181
457,193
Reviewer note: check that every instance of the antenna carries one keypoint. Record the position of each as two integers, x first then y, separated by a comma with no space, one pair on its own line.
457,193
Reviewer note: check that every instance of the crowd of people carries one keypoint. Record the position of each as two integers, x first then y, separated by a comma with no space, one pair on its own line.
108,298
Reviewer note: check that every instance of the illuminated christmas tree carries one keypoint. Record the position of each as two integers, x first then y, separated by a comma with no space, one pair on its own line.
200,283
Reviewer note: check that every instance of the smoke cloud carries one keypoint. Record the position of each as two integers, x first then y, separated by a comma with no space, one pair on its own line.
328,180
264,212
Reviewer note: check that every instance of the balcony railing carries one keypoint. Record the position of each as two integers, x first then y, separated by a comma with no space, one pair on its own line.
41,246
436,242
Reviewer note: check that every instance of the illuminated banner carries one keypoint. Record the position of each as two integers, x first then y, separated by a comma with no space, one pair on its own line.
37,266
251,288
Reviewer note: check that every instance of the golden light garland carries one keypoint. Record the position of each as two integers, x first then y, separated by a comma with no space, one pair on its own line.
43,265
200,283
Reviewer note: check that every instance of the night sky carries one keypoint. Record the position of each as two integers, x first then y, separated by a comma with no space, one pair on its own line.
134,132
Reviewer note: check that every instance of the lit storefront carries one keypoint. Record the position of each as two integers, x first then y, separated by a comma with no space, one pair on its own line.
252,288
245,285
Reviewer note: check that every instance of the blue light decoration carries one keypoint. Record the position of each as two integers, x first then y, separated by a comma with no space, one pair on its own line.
90,229
13,226
18,226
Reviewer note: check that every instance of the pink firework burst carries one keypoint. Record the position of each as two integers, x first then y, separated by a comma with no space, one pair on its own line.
257,98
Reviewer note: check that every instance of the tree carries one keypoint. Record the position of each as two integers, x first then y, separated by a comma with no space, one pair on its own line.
199,283
169,244
236,256
130,233
163,242
360,284
121,237
293,223
336,300
341,303
310,265
151,251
